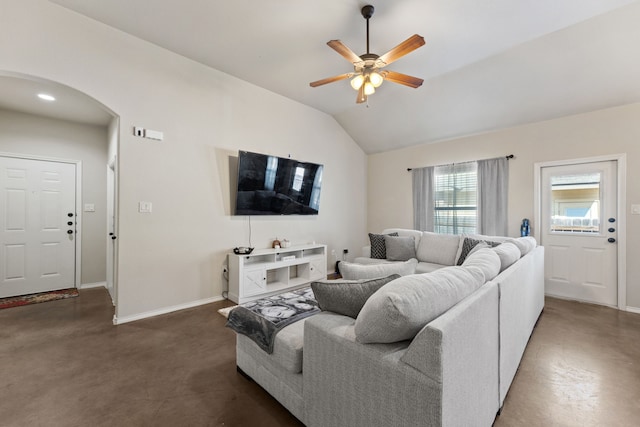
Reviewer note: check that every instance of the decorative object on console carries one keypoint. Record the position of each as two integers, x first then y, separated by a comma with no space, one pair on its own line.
275,244
242,250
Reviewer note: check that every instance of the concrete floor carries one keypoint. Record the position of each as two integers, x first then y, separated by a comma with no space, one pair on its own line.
63,363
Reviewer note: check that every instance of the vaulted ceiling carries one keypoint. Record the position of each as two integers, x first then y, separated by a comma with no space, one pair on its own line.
486,65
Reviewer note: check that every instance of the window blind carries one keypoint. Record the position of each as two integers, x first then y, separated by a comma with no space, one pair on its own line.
455,198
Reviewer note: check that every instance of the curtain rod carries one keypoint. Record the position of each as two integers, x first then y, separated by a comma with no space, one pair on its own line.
510,156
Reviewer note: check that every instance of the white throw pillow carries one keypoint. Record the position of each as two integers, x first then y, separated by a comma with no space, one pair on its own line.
401,308
353,271
486,259
438,248
508,253
525,244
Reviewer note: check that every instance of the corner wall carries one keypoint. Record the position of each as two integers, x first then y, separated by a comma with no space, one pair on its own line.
173,257
610,131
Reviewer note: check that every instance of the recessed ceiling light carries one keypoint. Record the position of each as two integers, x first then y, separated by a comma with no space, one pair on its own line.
46,97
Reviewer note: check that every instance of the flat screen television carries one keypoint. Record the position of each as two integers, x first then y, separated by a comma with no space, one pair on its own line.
270,185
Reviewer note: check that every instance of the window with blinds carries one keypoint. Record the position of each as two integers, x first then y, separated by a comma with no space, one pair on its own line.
455,191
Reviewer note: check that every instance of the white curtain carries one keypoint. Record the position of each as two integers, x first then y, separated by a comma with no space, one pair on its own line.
493,180
423,207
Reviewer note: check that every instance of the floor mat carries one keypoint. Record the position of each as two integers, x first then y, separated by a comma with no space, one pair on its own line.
37,298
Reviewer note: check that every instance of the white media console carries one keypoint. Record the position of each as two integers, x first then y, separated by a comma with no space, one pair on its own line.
266,272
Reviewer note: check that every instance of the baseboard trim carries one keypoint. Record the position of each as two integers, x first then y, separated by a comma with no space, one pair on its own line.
633,309
93,285
165,310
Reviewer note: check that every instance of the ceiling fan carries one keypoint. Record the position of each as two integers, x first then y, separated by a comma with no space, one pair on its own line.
368,73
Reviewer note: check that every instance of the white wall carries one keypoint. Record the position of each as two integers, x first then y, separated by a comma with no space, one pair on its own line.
173,256
38,136
604,132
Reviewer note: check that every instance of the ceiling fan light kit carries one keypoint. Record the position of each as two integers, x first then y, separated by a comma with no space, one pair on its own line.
368,74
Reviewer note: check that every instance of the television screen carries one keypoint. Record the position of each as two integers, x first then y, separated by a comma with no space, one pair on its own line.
269,185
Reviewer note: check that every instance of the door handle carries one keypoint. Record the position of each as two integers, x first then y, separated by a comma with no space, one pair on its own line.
69,231
611,240
69,214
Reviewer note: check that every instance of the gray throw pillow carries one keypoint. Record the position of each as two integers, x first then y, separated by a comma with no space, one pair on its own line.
378,248
399,310
400,248
347,297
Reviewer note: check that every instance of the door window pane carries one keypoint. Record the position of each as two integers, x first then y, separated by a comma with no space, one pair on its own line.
575,203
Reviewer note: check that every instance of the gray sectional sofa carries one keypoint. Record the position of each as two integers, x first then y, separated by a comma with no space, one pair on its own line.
445,357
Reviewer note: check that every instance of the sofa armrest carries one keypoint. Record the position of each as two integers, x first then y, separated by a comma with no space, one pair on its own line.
460,349
347,383
521,302
351,384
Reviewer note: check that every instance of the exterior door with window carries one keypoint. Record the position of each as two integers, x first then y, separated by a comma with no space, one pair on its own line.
579,231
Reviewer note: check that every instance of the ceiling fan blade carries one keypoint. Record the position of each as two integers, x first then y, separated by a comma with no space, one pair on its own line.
361,96
402,79
344,51
330,80
407,46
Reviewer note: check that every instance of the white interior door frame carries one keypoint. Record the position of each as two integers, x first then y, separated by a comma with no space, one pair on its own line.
621,160
78,197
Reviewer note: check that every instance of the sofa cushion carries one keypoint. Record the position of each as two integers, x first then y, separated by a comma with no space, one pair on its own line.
466,246
353,271
378,248
428,267
400,248
486,259
525,244
347,297
401,308
438,248
508,253
287,347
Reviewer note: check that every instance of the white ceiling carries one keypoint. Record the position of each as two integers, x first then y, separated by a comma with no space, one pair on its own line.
486,65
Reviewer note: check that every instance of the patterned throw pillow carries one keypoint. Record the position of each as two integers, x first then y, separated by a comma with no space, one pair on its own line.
469,244
378,248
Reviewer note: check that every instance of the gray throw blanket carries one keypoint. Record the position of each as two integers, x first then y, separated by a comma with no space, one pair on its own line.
262,319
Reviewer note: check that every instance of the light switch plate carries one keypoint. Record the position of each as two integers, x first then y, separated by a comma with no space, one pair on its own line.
144,207
635,209
89,207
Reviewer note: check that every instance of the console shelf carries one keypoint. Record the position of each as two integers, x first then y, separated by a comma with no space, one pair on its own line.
267,272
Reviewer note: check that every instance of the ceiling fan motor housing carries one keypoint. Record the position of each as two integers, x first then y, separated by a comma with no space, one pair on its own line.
367,11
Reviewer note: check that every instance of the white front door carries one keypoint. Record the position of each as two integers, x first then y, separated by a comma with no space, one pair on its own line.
37,226
579,231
